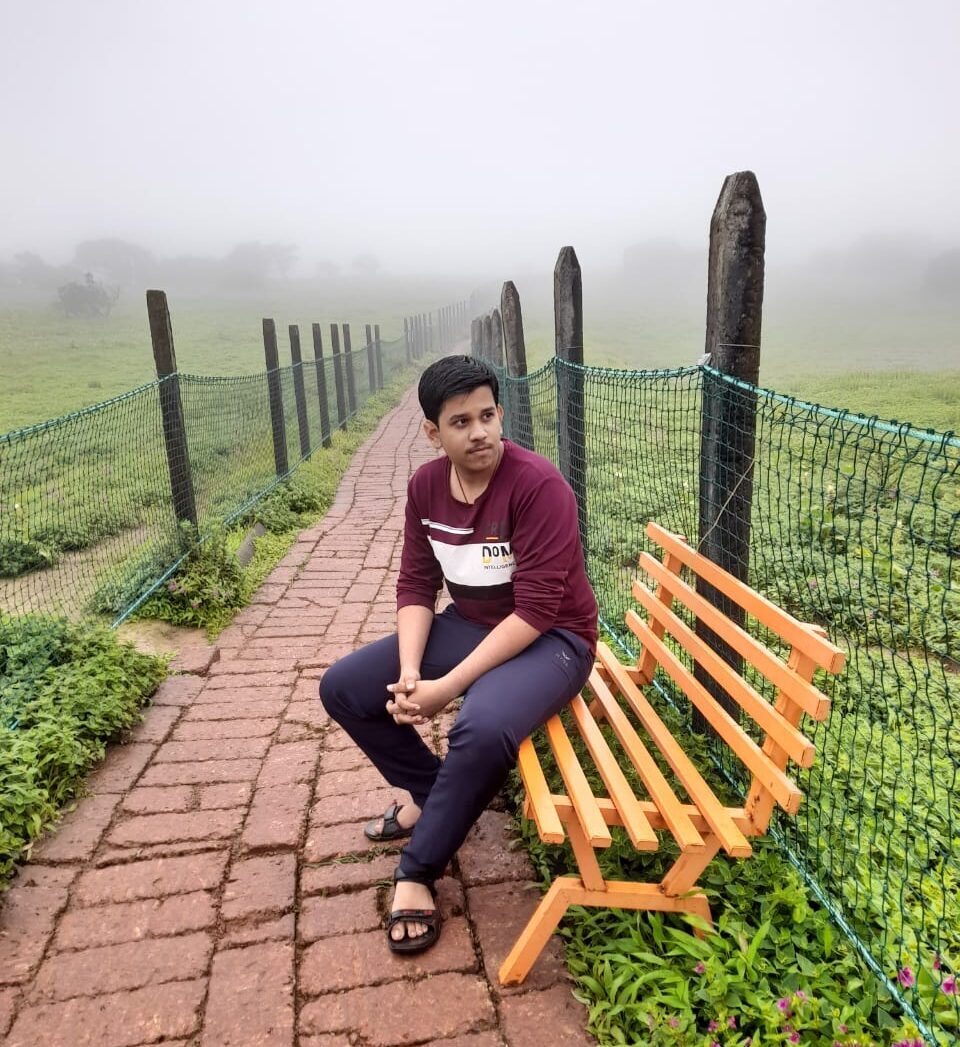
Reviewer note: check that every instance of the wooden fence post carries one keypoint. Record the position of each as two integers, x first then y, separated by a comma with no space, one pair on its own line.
171,409
348,366
299,393
568,334
371,361
496,339
475,336
728,413
378,352
325,435
487,338
338,377
275,393
520,416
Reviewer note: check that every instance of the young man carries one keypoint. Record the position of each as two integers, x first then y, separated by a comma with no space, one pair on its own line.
499,524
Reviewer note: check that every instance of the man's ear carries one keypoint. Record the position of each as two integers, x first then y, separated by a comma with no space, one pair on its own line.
432,433
500,412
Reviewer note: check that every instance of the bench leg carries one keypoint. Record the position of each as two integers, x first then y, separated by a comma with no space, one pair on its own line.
537,932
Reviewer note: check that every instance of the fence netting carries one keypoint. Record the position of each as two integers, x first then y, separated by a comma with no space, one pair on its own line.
87,523
855,526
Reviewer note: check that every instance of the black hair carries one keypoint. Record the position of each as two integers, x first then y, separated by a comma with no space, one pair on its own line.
453,376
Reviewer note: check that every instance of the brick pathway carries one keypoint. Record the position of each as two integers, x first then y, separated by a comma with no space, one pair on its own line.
215,890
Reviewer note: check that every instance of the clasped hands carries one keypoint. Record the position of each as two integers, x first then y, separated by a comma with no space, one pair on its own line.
417,701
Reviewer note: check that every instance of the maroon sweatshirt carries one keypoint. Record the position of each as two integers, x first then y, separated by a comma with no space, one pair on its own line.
516,549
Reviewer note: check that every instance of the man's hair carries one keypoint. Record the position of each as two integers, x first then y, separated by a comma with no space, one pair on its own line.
453,376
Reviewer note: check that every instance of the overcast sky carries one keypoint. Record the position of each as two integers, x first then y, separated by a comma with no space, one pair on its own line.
445,136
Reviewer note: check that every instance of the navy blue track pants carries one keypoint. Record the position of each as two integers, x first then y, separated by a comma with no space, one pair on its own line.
499,710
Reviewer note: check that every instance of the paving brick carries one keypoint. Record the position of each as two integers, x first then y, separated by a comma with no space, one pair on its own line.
203,773
251,998
352,960
276,817
158,800
272,929
294,732
260,886
480,1039
8,1000
255,694
155,878
111,968
252,664
157,722
342,783
527,1016
121,768
212,749
500,912
163,828
232,794
329,879
332,651
203,729
33,875
196,658
442,1006
177,690
324,917
486,857
309,712
306,690
240,680
342,759
332,810
133,921
296,762
325,1040
337,738
76,836
335,841
122,1019
27,919
359,593
268,594
250,616
110,855
227,710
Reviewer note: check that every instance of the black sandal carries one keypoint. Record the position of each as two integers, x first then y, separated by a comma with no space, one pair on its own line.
391,828
431,917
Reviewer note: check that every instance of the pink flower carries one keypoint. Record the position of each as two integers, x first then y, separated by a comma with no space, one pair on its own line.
783,1004
801,995
713,1026
905,978
731,1022
674,1023
700,968
794,1037
949,985
936,961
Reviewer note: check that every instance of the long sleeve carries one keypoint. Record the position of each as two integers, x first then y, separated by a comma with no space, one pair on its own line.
420,574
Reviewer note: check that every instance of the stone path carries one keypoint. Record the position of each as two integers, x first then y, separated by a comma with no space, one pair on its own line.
215,890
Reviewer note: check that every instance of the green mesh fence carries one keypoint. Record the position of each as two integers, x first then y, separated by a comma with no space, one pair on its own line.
86,516
855,526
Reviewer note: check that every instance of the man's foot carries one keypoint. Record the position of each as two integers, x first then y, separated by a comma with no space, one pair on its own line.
397,822
412,934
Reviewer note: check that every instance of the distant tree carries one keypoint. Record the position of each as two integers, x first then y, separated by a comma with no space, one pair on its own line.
90,298
31,272
252,263
366,264
118,260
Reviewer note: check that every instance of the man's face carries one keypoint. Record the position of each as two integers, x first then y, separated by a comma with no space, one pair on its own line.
469,430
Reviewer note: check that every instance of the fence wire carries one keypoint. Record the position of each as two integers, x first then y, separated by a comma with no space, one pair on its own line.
854,525
86,517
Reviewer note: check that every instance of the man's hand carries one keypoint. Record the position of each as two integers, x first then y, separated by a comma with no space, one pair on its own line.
402,707
429,698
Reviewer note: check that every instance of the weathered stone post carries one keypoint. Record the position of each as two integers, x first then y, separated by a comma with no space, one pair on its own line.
520,416
338,377
275,394
171,408
729,413
299,392
568,334
496,339
371,360
348,367
322,395
378,353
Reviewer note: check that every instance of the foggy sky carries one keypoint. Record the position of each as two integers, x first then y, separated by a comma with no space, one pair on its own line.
453,137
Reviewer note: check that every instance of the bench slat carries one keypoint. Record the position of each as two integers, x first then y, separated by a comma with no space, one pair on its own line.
611,815
821,650
783,790
733,841
793,742
804,693
544,812
635,822
578,788
650,774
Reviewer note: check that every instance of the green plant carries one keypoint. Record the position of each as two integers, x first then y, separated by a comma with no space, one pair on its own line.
65,690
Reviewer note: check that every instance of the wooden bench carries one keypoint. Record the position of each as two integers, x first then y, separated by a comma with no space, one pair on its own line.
701,825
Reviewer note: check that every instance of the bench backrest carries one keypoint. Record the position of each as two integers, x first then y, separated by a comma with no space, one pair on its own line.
795,694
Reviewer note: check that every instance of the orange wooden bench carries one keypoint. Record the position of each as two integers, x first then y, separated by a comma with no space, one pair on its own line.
701,825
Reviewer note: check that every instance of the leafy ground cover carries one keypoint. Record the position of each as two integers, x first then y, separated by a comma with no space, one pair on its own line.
65,691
